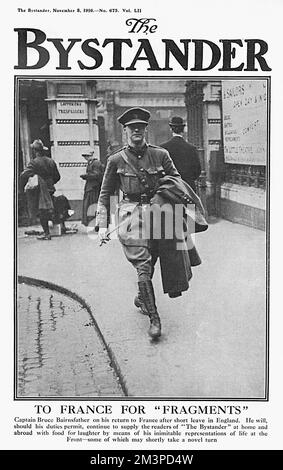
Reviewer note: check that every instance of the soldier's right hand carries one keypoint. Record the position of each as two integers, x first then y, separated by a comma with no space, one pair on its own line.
102,236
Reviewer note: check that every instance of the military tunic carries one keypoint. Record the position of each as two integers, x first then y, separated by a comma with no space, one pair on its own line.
152,162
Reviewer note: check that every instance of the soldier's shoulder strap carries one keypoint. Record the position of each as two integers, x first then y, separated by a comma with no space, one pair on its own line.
116,151
154,146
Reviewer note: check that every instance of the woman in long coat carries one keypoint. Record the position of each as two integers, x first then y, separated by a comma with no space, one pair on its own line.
48,175
93,178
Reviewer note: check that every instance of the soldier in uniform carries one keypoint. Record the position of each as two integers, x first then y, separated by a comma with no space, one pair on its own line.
139,191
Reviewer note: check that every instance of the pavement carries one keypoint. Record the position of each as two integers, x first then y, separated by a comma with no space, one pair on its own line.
59,351
213,344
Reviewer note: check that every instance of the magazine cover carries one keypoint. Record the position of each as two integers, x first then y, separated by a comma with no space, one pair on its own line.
141,319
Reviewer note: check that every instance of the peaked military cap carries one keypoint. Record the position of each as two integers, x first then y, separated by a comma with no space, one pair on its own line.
176,121
134,115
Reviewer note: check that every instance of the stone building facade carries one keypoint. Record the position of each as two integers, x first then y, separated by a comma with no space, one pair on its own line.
228,122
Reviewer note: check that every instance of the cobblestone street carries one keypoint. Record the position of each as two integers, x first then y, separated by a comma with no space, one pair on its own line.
59,350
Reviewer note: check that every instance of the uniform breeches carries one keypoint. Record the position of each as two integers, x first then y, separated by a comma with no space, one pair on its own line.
143,259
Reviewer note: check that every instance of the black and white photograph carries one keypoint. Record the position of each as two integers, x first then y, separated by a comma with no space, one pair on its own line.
141,233
142,238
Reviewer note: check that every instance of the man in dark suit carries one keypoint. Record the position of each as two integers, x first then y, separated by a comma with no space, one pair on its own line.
186,160
183,154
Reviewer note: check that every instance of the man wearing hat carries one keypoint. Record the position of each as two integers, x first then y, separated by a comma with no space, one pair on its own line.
183,154
48,175
93,178
136,170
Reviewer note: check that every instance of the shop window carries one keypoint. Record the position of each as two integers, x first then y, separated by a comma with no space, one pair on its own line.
245,175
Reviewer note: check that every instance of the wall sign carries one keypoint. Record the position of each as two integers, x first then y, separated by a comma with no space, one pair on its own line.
244,105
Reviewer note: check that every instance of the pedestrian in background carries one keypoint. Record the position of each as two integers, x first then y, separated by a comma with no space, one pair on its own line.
45,170
184,155
93,178
186,159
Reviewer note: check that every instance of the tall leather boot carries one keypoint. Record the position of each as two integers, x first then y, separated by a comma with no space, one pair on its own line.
148,297
140,304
